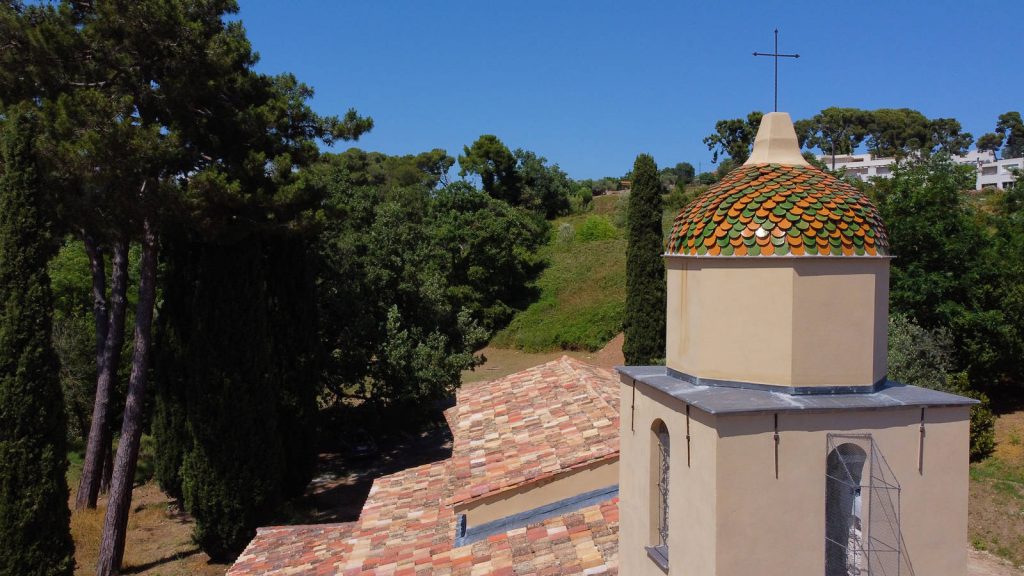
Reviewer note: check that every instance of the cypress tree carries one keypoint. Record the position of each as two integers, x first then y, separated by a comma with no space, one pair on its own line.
171,367
231,474
644,324
295,341
35,537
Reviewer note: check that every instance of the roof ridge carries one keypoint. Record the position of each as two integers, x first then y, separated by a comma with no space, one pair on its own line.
574,364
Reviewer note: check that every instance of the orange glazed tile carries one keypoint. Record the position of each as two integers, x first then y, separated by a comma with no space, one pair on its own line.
775,193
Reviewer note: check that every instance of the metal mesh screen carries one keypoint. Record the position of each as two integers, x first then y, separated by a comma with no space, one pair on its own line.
663,478
862,507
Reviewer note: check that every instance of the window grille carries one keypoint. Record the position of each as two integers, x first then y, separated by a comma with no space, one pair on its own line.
862,507
663,465
659,478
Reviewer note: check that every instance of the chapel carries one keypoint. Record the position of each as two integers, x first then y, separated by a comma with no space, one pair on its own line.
772,441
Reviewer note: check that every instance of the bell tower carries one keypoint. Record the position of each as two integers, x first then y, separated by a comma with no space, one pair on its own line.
772,441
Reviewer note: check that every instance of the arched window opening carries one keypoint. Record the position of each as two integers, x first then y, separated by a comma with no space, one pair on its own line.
660,465
844,490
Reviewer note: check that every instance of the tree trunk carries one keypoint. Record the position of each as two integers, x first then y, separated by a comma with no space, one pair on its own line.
108,466
99,294
98,443
115,523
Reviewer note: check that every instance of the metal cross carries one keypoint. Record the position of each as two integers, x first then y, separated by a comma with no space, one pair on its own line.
776,55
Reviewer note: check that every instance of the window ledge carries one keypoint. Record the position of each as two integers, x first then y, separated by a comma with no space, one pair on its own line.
660,556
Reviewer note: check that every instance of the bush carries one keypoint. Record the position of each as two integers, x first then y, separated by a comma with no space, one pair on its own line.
924,358
585,195
680,196
566,233
983,421
596,228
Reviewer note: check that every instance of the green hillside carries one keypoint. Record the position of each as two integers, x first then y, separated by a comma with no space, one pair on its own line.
583,288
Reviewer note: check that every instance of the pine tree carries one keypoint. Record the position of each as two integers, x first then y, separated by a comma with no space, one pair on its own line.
645,273
35,537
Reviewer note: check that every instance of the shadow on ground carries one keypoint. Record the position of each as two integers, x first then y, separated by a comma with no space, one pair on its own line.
343,480
176,557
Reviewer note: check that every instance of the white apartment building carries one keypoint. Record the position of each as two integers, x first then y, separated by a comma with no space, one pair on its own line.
992,173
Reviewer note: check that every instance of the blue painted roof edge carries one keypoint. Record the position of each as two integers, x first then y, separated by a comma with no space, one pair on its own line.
468,535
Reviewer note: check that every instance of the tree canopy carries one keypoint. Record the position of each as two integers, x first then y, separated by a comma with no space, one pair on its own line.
734,138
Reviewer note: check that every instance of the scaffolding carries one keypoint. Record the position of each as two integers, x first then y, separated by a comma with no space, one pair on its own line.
862,510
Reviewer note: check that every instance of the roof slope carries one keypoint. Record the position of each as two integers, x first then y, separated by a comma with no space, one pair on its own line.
287,550
532,424
407,525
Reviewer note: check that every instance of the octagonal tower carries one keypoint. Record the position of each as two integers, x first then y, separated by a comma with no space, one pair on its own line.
772,443
758,260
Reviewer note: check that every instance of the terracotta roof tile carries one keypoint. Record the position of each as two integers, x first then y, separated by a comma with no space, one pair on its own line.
287,550
407,525
775,209
531,425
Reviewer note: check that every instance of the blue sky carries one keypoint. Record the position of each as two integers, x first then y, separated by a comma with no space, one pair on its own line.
589,85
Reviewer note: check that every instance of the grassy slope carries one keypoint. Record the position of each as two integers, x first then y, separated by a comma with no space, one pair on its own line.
583,291
997,493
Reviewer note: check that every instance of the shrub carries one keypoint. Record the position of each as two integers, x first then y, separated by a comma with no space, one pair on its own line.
924,358
566,233
596,228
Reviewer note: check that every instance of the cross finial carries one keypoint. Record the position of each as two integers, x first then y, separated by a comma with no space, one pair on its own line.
776,55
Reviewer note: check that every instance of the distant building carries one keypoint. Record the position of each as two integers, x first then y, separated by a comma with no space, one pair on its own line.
992,173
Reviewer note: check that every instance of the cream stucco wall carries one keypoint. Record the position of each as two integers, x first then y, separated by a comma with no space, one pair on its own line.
730,515
691,488
772,526
759,320
593,476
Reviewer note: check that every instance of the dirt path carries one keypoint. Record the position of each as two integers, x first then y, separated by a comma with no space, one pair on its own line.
984,564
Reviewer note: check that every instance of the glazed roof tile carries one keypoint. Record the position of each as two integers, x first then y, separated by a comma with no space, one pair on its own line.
779,210
407,525
533,424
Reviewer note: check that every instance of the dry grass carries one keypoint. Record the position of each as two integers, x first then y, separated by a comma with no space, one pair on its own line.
997,493
504,361
159,539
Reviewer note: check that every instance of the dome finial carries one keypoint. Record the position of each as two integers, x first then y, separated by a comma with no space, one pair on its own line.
776,142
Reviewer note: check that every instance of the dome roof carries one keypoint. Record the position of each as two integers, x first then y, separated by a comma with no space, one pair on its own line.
786,208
